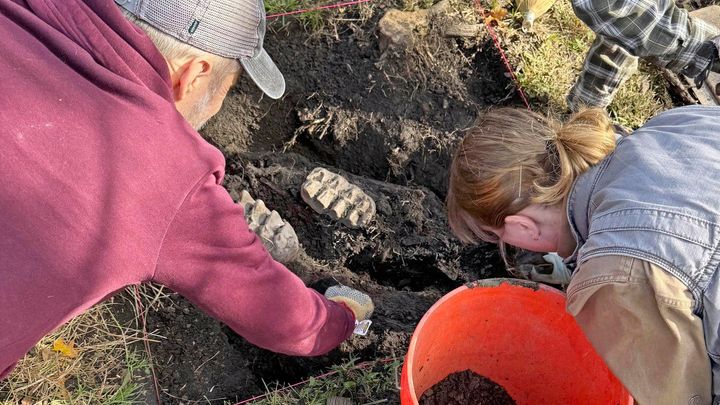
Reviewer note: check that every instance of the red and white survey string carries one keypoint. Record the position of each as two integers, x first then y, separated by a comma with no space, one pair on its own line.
325,7
506,62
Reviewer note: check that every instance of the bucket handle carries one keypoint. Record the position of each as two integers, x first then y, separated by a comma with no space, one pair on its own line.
495,282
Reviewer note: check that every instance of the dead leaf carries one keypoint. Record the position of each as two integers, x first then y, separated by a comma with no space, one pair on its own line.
494,16
61,386
46,354
498,13
66,349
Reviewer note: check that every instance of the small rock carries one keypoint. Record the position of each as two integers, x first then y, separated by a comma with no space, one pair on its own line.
462,30
397,29
383,207
708,14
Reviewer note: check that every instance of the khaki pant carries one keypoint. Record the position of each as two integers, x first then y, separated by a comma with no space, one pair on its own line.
639,319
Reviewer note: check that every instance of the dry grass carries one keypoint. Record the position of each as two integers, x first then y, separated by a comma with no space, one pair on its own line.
110,366
412,5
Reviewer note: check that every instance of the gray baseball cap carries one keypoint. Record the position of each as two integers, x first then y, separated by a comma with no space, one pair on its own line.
228,28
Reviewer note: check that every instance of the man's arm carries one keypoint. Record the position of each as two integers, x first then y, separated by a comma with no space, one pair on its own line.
211,257
639,319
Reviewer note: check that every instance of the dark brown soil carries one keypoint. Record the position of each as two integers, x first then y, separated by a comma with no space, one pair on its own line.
388,122
466,388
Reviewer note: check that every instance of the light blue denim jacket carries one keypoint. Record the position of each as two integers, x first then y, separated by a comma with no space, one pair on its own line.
657,198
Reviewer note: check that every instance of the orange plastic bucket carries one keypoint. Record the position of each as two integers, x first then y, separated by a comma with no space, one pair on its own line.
518,334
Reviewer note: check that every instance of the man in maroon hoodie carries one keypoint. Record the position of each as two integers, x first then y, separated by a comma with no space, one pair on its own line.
104,181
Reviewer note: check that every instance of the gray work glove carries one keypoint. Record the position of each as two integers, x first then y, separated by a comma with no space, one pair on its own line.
546,268
359,303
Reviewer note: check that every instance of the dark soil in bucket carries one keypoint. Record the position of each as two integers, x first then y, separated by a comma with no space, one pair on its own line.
387,120
466,388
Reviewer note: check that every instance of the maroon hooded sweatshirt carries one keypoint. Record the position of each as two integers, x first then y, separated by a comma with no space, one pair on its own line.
103,184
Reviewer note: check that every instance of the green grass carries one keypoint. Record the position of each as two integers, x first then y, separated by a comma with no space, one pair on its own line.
311,20
130,390
365,383
318,21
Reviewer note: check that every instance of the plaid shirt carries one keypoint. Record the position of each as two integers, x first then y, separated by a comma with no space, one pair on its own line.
655,30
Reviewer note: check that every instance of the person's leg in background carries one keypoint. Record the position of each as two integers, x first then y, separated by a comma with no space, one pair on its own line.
657,31
606,67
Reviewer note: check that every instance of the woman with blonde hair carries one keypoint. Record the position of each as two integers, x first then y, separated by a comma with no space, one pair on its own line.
639,216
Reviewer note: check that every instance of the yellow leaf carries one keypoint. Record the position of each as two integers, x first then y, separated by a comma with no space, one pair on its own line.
498,13
494,16
66,349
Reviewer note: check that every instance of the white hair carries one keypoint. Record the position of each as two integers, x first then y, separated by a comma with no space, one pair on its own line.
172,48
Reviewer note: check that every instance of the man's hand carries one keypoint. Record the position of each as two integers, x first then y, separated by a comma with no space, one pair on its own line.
359,303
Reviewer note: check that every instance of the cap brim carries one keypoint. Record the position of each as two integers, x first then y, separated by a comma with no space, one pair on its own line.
265,74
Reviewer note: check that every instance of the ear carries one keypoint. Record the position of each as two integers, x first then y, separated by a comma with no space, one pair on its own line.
189,76
522,227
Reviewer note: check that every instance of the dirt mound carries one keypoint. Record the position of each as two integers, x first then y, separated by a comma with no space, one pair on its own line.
387,121
466,388
391,115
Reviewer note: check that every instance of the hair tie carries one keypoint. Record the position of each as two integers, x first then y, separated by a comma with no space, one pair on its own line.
552,156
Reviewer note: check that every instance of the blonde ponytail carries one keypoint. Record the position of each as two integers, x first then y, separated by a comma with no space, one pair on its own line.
584,140
513,158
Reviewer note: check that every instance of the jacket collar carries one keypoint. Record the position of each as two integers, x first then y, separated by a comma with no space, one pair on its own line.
578,207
